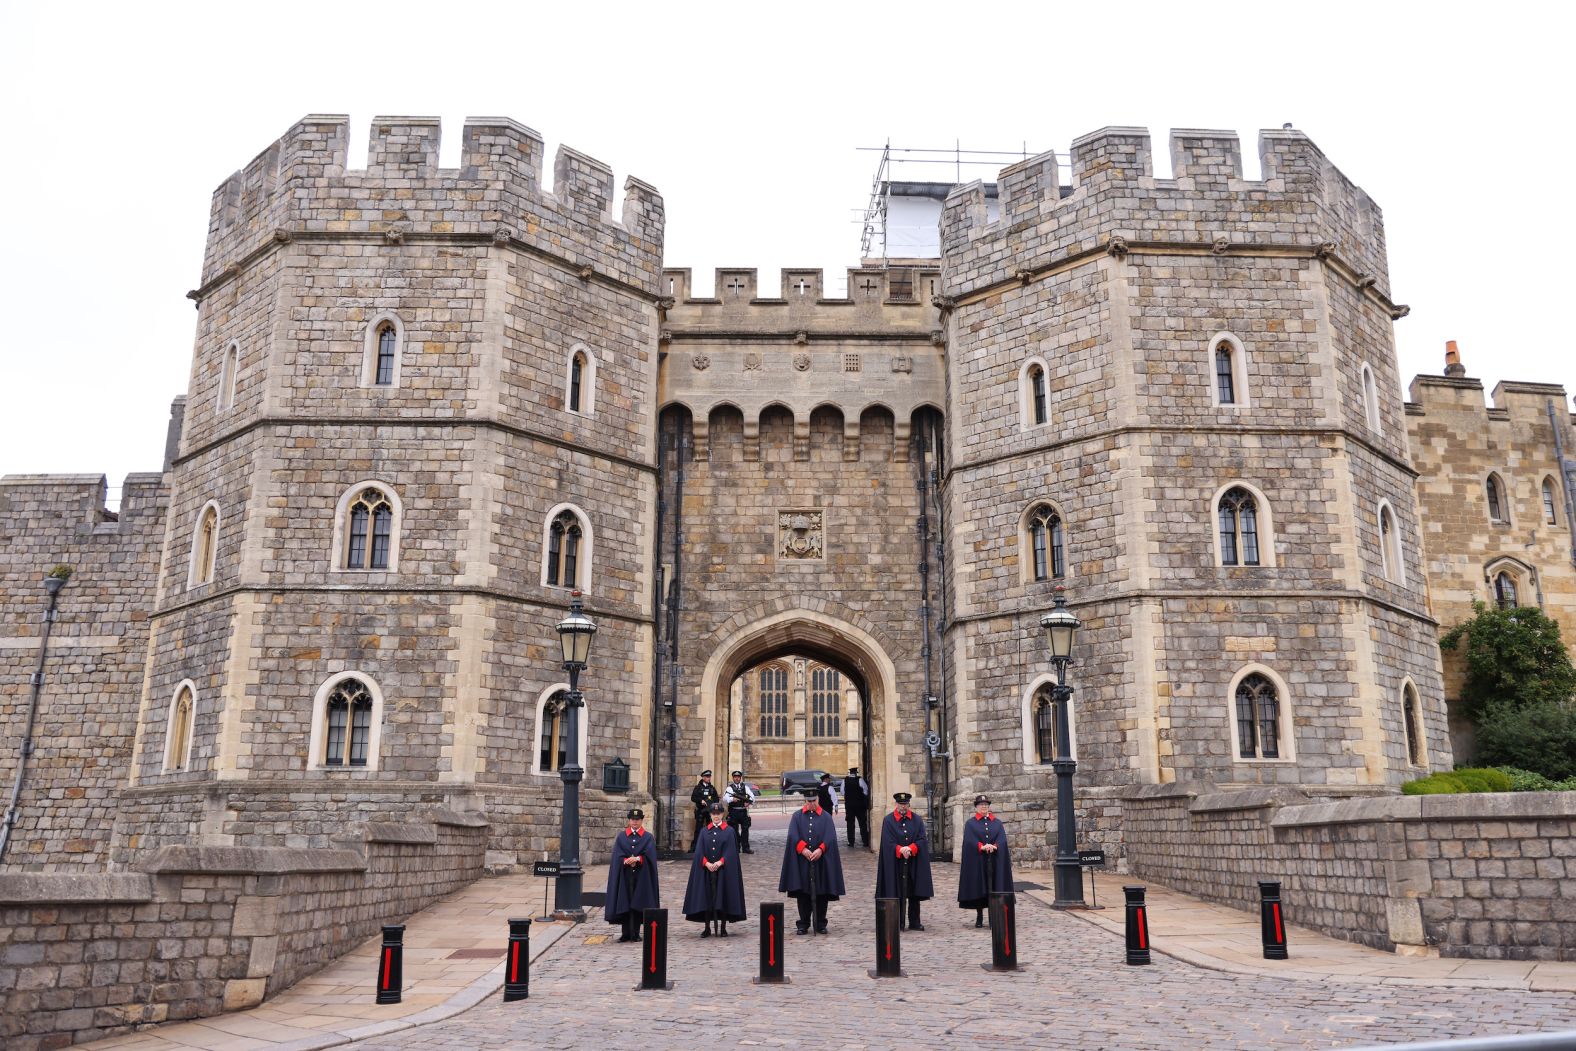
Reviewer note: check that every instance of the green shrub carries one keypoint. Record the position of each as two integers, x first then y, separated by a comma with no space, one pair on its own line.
1539,738
1527,781
1512,658
1440,784
1479,779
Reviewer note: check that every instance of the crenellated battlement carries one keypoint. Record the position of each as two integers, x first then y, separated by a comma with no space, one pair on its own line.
1300,200
300,186
1511,401
893,300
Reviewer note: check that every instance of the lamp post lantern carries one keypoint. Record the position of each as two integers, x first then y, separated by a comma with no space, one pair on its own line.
574,636
1060,628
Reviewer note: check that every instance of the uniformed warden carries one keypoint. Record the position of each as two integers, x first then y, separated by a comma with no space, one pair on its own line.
702,796
632,877
903,868
739,797
986,864
715,893
812,871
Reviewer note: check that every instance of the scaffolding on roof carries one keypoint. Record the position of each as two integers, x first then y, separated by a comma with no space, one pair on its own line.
905,165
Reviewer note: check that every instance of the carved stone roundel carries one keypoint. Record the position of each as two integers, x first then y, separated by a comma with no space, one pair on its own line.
702,362
801,362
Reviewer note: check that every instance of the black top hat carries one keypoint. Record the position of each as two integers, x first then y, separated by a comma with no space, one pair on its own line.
705,773
636,814
902,797
982,799
738,773
717,808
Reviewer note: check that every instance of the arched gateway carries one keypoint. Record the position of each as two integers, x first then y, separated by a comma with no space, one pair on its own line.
835,642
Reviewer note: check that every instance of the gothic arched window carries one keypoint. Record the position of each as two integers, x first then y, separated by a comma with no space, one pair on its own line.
349,724
1258,718
563,550
1037,394
826,695
1494,492
1044,725
205,546
774,701
1225,381
1412,715
178,745
1239,528
1371,401
553,746
1505,591
370,530
1047,543
1390,546
388,341
1549,516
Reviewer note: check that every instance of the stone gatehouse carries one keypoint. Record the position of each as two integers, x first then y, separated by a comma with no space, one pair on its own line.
426,404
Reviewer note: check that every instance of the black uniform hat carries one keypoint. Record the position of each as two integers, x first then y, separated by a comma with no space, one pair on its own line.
809,793
705,773
853,769
636,814
826,777
903,797
717,808
738,773
982,799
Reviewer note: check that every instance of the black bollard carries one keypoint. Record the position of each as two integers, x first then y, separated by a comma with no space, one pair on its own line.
517,969
771,944
889,948
1137,926
654,953
1003,931
1272,926
391,959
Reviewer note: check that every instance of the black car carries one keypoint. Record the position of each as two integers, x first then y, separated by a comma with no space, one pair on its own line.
799,780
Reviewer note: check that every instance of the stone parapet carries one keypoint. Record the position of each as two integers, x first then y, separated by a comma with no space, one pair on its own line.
207,929
300,188
1476,875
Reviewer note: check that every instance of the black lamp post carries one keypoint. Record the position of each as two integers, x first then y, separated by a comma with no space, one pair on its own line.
1060,626
574,635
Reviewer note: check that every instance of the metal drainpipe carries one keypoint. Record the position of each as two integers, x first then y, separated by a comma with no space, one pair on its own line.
675,608
923,485
1565,477
937,444
53,586
658,632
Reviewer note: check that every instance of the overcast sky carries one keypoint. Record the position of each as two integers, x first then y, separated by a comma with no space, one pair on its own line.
748,118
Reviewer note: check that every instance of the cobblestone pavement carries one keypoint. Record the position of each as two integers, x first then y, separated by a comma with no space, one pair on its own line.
1074,992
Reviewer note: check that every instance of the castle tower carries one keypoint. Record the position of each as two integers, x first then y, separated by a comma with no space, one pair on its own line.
1179,399
420,414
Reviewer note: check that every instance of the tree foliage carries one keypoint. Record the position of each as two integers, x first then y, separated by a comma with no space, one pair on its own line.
1539,737
1514,659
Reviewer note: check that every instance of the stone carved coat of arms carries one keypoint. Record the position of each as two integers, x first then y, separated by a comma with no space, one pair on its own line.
799,535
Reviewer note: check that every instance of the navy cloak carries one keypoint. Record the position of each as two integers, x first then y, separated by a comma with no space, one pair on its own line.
636,891
902,832
981,872
723,889
814,828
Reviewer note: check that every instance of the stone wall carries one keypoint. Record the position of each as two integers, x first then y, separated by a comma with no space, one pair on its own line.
92,678
196,931
1477,875
1457,441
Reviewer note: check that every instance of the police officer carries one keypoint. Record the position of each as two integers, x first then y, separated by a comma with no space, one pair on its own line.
856,805
740,797
702,796
903,869
826,794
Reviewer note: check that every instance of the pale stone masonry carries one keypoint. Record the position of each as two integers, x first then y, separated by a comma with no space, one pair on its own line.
1526,443
756,475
